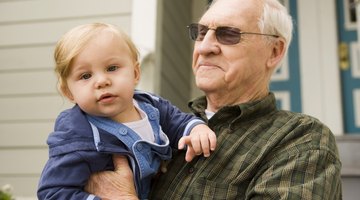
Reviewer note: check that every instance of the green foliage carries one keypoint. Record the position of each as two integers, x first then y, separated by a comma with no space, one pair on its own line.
5,196
5,192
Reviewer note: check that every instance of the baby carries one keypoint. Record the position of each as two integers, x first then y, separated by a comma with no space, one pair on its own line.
98,70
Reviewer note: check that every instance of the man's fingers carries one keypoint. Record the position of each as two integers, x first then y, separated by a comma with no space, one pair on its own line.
121,165
115,185
120,161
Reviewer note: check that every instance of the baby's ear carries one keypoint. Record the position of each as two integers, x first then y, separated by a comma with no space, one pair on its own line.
66,92
137,72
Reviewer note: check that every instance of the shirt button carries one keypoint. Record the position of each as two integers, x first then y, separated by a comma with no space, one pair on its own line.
191,170
122,131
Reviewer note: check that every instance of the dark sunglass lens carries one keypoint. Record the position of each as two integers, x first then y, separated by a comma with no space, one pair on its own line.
197,31
228,35
193,31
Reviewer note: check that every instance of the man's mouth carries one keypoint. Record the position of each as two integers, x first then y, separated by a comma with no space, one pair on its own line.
207,64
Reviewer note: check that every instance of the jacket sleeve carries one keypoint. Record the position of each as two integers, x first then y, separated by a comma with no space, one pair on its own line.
65,176
174,122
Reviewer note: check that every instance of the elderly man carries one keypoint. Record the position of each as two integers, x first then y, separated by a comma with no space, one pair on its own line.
262,152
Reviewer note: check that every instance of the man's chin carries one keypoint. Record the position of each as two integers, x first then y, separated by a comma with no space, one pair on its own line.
205,86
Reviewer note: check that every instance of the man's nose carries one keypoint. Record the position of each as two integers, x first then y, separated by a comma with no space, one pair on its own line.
209,44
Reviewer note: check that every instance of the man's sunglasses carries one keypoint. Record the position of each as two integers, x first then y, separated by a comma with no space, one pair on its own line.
224,34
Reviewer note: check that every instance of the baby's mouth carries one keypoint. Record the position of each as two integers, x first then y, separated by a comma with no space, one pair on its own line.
106,97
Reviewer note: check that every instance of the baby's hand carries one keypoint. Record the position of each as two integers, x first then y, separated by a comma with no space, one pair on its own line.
201,140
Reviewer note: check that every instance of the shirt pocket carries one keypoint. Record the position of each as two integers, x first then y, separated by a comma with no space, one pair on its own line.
207,189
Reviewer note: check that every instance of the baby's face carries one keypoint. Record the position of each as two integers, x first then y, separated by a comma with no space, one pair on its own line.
103,77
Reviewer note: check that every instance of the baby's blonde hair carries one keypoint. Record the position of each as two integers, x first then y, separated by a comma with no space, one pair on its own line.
73,42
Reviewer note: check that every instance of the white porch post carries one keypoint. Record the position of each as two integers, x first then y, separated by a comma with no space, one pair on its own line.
143,33
320,79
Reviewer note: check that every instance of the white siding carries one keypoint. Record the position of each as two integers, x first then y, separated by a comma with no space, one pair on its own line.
29,101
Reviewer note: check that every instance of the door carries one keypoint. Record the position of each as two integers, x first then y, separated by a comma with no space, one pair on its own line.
285,82
349,65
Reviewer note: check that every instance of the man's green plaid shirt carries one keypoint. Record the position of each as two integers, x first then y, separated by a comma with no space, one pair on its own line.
261,153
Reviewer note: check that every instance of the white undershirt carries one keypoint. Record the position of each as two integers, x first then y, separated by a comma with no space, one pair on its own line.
142,127
209,114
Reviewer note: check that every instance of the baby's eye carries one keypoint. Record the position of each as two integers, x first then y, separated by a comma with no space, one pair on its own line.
112,68
85,76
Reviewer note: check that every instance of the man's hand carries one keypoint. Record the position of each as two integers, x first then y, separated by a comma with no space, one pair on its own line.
202,140
114,185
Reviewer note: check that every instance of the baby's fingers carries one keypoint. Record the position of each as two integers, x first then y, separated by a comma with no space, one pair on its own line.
212,140
189,141
182,142
190,154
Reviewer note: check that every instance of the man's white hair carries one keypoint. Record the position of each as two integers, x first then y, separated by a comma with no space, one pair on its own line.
275,20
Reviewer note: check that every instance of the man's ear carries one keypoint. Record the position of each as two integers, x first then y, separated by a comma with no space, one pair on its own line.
277,54
137,72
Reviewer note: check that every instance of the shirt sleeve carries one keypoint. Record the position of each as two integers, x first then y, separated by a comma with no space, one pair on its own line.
310,174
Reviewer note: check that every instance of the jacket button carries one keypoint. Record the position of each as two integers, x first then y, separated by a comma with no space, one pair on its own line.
139,147
122,131
152,116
